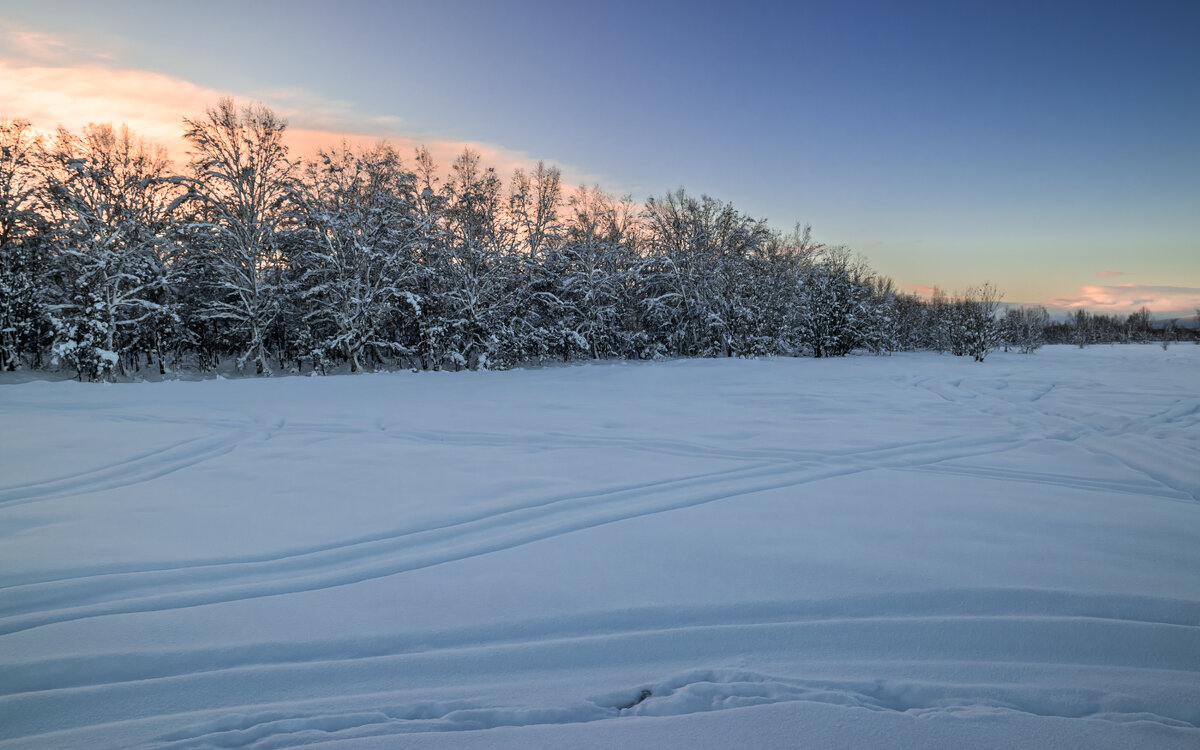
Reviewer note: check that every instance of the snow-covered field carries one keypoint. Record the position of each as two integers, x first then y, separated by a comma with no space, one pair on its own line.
907,551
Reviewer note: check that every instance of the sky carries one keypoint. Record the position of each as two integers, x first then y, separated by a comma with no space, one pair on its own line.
1050,148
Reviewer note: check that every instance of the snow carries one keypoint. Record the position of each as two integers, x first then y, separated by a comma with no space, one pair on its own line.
866,552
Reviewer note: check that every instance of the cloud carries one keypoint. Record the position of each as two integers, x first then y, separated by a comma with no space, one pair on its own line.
50,82
36,48
151,104
1127,298
1110,273
922,290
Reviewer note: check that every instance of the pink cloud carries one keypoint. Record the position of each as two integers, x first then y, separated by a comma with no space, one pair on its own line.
1127,298
34,47
49,82
921,290
152,105
1110,273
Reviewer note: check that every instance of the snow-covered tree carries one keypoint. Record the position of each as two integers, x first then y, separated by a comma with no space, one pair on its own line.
242,189
833,317
884,334
598,276
1024,328
698,282
359,279
108,198
1082,328
542,319
911,320
1138,325
768,294
24,266
534,203
975,330
475,310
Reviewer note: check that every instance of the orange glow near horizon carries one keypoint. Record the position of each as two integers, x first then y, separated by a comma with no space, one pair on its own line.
1118,299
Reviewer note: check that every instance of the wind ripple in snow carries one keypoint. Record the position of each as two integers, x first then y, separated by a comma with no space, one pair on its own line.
691,692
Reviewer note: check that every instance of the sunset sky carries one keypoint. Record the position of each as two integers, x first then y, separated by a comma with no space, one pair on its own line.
1050,148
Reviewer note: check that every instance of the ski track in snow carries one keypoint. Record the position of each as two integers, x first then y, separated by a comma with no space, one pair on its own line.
360,560
1149,444
143,467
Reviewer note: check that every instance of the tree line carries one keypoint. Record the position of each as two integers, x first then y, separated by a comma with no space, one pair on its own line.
112,261
1083,328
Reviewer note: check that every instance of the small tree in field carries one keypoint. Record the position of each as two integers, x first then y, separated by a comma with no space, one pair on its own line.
974,330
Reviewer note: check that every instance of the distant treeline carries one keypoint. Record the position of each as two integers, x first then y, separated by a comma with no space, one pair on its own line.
111,262
1084,328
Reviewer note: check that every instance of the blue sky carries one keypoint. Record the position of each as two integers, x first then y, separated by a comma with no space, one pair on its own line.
1033,145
